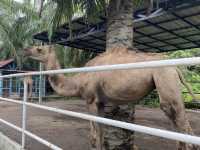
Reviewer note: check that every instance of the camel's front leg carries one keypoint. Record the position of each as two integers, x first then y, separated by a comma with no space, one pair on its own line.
30,93
176,113
167,84
96,131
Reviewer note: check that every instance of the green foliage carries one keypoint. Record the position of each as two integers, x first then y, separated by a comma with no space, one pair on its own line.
151,100
18,22
67,10
71,57
191,74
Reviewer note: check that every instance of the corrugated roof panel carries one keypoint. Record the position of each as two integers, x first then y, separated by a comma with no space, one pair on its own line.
174,24
149,30
190,10
177,41
146,39
187,45
155,44
139,46
168,48
195,19
188,31
139,24
195,38
164,35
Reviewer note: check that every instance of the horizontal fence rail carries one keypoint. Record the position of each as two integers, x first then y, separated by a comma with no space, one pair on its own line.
129,126
42,141
133,127
138,65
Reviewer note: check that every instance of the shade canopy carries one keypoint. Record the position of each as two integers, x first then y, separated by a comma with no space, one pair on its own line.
173,25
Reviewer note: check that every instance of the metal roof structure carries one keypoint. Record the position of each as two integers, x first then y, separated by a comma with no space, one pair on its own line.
172,25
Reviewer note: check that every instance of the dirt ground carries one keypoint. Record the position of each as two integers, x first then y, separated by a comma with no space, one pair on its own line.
72,134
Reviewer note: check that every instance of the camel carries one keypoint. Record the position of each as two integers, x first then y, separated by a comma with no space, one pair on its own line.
120,87
29,81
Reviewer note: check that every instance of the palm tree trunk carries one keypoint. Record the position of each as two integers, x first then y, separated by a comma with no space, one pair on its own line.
117,138
119,35
119,24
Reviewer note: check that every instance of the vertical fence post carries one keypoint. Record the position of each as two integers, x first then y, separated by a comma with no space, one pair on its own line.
1,86
40,85
10,86
24,111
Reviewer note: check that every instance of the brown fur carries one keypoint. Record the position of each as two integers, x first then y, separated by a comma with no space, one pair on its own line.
121,86
29,81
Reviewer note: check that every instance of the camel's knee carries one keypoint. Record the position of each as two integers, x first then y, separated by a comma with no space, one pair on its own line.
176,113
169,110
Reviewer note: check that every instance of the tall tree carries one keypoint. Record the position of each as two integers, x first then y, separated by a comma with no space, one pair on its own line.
119,15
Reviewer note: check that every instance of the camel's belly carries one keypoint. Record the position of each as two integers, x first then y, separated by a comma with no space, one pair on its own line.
128,85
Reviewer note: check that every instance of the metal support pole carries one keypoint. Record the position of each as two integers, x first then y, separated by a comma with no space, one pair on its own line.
24,111
1,86
10,86
44,86
40,85
19,87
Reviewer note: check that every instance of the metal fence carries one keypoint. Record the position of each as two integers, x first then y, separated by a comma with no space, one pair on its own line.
133,127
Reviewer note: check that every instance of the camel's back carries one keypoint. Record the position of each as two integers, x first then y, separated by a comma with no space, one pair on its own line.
121,84
123,56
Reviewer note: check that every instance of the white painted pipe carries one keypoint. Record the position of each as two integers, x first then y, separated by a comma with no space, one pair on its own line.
24,113
153,15
133,127
48,144
40,85
138,65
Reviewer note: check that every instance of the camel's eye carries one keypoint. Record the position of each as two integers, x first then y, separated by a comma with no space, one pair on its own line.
39,50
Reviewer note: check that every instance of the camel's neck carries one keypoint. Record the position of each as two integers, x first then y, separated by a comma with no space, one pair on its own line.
66,86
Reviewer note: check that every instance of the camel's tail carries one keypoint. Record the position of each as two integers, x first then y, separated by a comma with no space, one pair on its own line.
188,87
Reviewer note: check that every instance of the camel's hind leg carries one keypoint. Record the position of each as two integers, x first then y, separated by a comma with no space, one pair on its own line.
168,86
96,132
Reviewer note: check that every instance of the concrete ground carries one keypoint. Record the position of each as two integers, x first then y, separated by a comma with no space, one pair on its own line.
72,134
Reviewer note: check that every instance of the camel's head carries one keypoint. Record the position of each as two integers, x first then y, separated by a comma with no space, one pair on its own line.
40,53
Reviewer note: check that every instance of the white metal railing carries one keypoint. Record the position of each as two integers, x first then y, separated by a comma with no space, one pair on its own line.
138,65
133,127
